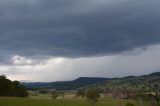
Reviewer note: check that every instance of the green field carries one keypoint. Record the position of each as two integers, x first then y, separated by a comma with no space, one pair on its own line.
7,101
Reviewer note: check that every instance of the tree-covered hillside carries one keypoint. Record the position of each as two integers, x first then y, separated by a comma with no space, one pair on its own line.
130,82
133,82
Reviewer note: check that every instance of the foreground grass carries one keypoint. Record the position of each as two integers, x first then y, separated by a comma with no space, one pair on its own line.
62,102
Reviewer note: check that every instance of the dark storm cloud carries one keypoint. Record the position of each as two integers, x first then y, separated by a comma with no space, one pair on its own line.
77,28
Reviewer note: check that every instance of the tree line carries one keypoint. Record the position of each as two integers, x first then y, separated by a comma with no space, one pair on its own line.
150,94
12,88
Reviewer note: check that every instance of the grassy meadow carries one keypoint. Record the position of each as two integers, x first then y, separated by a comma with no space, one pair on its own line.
68,100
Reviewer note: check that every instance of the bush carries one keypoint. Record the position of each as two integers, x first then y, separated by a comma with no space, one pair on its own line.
129,104
80,93
54,94
92,95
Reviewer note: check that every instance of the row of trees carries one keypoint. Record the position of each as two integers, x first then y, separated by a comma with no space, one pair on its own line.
11,88
147,94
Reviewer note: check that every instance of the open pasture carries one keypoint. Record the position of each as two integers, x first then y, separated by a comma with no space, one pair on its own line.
44,100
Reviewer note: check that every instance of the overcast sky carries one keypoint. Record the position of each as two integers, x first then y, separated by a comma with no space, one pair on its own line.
50,40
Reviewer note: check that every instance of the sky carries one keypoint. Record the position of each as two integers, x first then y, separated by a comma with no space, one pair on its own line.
55,40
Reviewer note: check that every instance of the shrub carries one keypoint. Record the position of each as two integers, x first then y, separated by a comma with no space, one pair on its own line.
129,104
92,95
80,93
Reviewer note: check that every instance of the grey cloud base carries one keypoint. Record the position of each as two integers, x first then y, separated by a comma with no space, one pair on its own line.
61,69
77,28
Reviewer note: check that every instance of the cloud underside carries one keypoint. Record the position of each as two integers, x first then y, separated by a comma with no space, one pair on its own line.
48,40
76,28
56,69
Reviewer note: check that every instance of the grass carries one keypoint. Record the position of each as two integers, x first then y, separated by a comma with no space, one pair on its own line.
8,101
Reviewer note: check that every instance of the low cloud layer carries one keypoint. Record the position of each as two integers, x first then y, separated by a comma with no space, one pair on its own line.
35,34
136,62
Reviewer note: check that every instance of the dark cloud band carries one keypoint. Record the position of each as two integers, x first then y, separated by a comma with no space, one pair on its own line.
73,29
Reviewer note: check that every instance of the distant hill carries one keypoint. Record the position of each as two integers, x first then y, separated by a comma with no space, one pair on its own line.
128,81
66,85
154,74
133,82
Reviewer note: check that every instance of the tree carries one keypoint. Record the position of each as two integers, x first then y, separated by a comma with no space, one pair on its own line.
92,95
11,88
81,93
54,94
142,98
156,93
4,85
129,104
